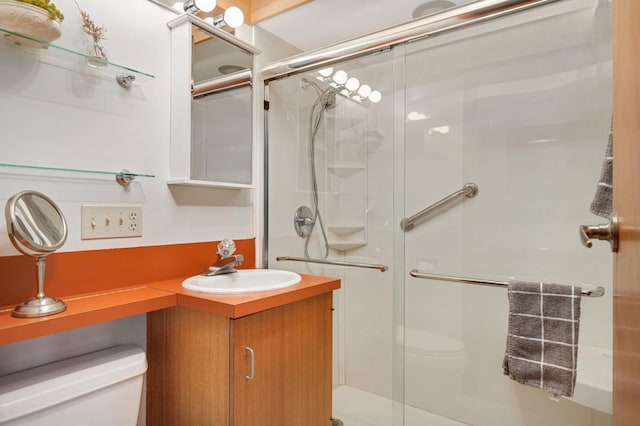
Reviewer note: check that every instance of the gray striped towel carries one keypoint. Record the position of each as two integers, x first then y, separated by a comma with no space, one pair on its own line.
603,199
542,340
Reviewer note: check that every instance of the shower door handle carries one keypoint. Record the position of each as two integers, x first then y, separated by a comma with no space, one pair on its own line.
606,231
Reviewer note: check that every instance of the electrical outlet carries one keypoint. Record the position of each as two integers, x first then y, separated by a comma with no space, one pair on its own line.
111,222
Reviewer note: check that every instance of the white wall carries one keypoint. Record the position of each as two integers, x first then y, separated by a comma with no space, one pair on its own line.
60,117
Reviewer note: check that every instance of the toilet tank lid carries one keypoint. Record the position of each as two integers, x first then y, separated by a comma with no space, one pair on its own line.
32,390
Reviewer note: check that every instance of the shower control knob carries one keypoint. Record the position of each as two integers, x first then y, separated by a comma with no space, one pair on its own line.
303,221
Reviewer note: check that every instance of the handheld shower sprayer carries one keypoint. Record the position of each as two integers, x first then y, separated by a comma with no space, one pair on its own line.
326,100
326,97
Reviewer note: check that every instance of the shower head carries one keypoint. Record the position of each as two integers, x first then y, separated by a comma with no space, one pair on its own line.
326,97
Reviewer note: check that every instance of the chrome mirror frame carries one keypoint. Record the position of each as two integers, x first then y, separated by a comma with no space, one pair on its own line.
37,228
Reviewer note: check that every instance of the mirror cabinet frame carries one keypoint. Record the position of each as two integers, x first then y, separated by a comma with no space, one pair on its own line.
181,99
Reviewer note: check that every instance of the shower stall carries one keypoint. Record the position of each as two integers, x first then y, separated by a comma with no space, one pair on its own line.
502,125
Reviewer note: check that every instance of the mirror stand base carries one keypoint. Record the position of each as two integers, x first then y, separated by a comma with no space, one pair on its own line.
39,307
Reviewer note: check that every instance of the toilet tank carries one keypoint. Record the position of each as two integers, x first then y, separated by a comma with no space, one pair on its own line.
99,388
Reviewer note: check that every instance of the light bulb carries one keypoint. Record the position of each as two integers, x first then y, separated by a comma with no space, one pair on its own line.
375,97
340,77
364,91
205,5
234,17
415,116
352,84
179,6
326,72
209,20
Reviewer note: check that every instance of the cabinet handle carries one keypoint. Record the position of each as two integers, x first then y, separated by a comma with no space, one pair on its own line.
253,364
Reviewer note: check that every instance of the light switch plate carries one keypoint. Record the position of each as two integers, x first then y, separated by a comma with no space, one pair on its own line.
110,222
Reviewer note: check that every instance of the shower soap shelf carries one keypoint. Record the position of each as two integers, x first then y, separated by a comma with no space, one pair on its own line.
346,245
345,229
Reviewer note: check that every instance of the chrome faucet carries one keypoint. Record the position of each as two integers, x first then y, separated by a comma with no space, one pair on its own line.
226,262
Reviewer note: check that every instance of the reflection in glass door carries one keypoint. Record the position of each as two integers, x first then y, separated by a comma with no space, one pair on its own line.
331,150
521,107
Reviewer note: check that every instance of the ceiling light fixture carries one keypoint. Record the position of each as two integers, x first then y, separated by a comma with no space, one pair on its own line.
232,17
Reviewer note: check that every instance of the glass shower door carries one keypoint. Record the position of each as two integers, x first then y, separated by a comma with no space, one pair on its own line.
330,158
521,107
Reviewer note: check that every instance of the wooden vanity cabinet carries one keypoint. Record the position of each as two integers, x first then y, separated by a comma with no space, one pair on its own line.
200,366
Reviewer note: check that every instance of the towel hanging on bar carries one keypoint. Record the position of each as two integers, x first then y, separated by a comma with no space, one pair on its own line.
542,339
602,203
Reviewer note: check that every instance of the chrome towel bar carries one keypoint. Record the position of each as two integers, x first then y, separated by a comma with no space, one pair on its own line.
598,292
469,190
381,268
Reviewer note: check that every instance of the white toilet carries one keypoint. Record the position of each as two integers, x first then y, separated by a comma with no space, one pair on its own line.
99,388
434,364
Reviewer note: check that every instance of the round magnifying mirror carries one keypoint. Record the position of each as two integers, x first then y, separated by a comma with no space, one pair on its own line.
37,228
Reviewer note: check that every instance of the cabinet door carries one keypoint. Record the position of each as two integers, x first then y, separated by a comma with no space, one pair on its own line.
291,383
188,376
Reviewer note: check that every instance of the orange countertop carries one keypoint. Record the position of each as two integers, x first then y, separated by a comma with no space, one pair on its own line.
239,305
93,308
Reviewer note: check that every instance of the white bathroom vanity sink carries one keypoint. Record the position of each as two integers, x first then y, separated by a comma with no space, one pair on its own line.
243,281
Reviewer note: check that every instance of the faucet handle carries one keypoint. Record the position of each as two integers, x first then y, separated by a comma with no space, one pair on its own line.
226,247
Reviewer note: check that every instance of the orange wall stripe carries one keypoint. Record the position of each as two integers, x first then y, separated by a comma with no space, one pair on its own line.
79,272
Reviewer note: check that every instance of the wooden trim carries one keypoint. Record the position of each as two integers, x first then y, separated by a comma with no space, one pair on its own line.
264,9
626,321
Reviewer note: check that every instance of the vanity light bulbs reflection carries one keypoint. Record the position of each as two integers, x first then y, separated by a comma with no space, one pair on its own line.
326,72
352,84
364,91
375,97
178,6
340,77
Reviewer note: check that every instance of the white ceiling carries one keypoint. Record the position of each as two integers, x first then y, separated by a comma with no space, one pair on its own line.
324,22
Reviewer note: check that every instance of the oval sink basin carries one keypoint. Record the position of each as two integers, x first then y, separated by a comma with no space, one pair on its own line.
243,281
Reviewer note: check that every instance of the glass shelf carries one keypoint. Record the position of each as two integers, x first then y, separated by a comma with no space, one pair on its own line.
123,177
67,58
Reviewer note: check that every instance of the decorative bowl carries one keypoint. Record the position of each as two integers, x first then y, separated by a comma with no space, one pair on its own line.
30,21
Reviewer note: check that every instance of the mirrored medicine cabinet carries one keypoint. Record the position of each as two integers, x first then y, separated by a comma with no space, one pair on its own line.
211,106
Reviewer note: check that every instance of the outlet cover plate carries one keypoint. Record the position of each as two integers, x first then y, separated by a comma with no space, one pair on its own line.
110,222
